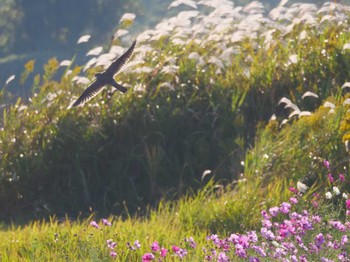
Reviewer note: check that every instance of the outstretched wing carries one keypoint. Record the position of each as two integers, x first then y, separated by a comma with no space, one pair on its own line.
89,93
121,61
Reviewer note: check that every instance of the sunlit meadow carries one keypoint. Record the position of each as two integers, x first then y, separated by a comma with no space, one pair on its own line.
232,143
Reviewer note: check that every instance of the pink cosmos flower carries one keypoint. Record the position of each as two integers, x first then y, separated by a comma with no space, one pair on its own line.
175,248
94,224
285,207
338,225
266,223
319,240
274,211
106,222
330,178
347,203
240,251
314,203
326,164
215,239
111,244
265,233
147,257
343,256
113,254
259,250
163,252
294,190
252,236
137,244
293,200
342,177
192,242
180,252
155,246
344,240
222,257
265,215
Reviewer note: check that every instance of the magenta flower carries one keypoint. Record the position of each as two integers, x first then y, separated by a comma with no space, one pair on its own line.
326,164
113,254
147,257
94,224
342,177
293,190
347,203
175,248
330,178
163,252
155,246
106,222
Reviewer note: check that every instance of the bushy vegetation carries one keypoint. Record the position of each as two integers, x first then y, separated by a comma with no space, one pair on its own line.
252,103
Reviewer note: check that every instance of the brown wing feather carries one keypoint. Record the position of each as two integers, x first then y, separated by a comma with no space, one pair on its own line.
89,93
121,61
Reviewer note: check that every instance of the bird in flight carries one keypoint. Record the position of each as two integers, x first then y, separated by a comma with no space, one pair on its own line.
106,78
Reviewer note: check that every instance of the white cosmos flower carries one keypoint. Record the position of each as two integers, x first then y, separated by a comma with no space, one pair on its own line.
302,187
345,196
328,195
336,190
